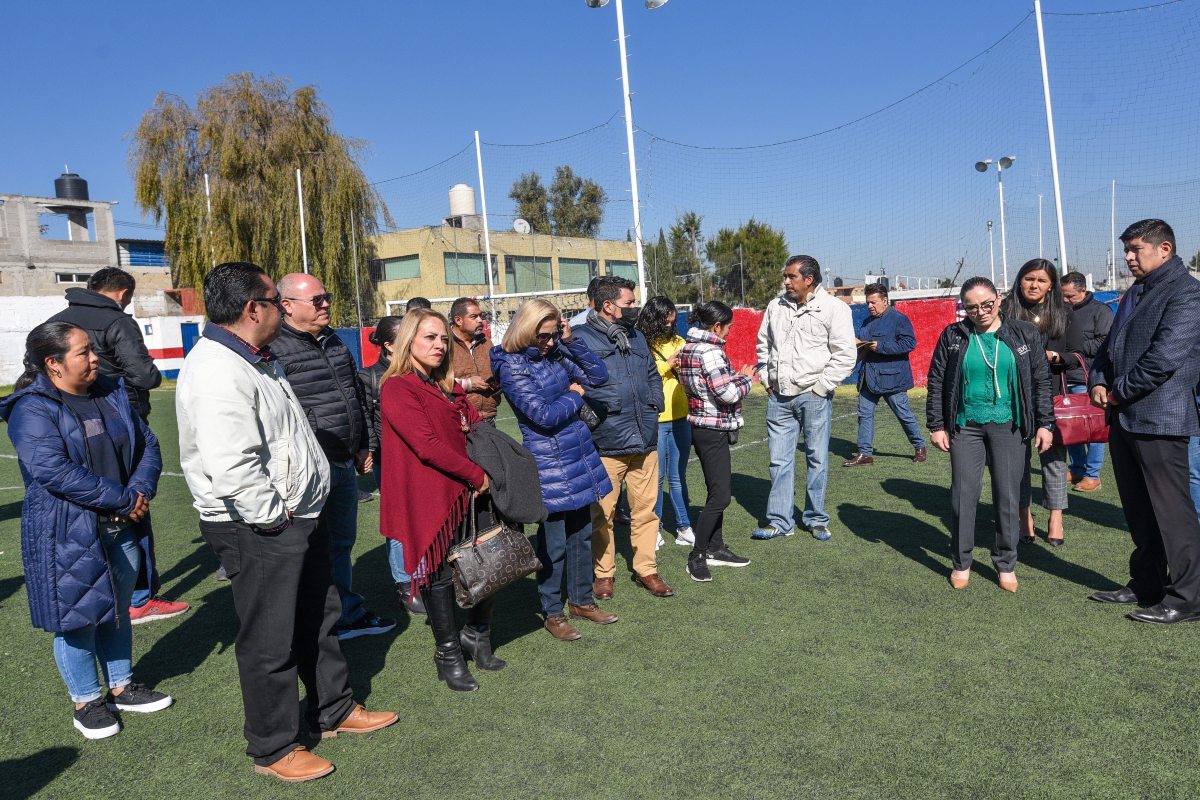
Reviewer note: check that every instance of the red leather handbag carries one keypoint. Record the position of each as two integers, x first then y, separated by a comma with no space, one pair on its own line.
1076,420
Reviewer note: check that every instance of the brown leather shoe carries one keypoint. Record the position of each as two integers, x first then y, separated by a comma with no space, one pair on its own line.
297,766
602,588
362,721
921,456
654,585
561,629
1088,485
593,612
859,460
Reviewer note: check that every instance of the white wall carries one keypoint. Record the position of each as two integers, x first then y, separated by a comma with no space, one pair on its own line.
18,316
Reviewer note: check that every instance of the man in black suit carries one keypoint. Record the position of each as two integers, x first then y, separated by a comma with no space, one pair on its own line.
1145,375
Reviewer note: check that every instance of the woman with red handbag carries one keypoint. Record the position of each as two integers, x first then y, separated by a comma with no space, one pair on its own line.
1037,298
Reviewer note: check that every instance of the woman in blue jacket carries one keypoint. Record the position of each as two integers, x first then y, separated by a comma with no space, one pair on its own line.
543,371
90,467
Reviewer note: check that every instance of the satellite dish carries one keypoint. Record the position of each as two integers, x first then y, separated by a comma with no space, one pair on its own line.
521,226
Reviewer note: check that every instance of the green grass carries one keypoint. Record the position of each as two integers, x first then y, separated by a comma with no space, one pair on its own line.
845,669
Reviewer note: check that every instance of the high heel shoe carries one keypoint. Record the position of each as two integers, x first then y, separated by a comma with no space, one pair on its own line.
1059,542
1027,539
1008,581
959,578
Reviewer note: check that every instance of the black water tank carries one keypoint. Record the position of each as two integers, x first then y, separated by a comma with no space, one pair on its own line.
70,186
883,281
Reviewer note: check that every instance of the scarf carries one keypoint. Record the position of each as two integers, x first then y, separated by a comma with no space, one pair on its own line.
615,333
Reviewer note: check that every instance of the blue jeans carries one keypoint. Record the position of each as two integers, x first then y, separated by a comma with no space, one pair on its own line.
395,550
1194,470
339,518
674,447
898,402
1086,459
785,418
76,652
565,540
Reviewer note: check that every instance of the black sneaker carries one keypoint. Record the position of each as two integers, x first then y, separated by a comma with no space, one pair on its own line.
369,624
138,698
724,557
95,721
697,568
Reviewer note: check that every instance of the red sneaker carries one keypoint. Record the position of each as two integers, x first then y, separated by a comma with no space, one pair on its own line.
156,608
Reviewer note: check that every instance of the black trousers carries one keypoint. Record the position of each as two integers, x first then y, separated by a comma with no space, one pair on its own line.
1001,449
1152,479
288,608
712,449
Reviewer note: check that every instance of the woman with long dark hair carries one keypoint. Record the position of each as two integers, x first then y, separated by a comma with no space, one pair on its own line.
989,394
1037,298
427,481
384,337
90,466
714,391
657,322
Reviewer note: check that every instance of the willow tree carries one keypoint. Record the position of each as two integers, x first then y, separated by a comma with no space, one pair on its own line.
249,135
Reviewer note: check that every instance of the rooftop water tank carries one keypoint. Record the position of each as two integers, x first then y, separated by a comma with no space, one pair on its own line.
462,200
70,186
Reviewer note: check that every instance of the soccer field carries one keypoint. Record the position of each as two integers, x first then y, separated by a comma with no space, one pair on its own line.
843,669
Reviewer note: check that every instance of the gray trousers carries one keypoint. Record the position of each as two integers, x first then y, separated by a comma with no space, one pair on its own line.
1054,478
973,447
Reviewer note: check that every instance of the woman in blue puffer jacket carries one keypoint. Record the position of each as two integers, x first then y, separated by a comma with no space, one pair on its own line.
543,371
90,467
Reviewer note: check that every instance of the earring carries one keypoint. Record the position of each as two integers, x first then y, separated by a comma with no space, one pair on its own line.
57,374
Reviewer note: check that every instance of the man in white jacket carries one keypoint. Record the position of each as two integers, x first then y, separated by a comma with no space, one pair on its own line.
259,480
805,349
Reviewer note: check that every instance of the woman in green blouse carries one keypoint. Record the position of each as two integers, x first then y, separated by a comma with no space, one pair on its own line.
989,394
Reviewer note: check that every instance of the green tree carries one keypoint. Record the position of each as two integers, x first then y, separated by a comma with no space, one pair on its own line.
660,272
748,262
576,204
529,193
684,240
249,135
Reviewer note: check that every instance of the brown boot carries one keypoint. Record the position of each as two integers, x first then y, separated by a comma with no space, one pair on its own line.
593,612
297,766
362,721
654,585
561,629
859,460
602,588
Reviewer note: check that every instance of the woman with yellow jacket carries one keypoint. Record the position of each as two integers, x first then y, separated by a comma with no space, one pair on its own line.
657,322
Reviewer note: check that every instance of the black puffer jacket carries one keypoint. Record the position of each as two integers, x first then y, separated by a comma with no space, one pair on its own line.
1033,375
324,376
1090,321
118,344
369,379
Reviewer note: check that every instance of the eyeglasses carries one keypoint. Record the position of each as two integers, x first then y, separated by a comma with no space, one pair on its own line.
981,308
317,300
546,338
276,301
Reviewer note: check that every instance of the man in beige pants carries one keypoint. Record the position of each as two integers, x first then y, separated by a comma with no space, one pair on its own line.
627,405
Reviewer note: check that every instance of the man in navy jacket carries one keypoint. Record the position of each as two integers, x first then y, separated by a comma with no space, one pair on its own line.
884,342
1145,374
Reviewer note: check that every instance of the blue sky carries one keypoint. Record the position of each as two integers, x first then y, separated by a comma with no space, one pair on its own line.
415,79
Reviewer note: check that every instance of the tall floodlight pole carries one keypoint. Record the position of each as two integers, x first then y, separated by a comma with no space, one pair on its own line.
1040,253
1058,205
300,199
626,97
992,251
1113,223
487,239
354,261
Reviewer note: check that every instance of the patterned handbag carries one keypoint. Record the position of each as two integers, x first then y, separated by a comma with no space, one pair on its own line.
1076,420
489,560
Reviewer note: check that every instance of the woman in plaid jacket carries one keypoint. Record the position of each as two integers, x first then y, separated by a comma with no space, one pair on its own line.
715,393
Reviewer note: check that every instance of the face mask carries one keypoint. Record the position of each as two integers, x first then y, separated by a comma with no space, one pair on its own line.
629,317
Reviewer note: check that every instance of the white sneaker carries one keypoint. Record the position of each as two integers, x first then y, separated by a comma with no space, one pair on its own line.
685,537
659,543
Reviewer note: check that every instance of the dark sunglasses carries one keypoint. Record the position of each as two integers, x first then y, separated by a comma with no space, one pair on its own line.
548,337
317,299
276,301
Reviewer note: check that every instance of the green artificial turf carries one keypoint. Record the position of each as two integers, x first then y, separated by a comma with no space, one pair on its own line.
843,669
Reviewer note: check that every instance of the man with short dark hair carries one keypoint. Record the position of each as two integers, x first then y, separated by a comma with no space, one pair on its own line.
259,481
627,405
470,348
805,350
1145,375
884,341
100,310
580,319
324,375
1090,321
417,302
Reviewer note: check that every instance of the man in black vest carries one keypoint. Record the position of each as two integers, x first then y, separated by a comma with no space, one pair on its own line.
324,375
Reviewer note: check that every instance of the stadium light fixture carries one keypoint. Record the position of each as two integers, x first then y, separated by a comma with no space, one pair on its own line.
1003,163
633,185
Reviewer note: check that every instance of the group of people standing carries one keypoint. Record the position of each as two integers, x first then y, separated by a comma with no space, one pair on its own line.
276,422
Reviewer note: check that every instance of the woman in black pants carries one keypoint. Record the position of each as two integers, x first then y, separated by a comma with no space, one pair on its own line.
715,393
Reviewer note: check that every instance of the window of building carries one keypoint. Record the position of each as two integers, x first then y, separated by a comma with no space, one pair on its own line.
576,273
72,277
528,274
622,269
399,269
466,268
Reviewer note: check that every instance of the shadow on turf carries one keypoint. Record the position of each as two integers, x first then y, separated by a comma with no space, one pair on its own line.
25,777
10,586
11,510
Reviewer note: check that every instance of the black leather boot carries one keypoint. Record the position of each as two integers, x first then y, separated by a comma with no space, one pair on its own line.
447,655
415,605
476,637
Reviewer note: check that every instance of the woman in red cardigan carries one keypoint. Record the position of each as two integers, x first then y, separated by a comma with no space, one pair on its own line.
426,484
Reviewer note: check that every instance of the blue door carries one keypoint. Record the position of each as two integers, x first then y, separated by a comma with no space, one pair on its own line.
191,334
